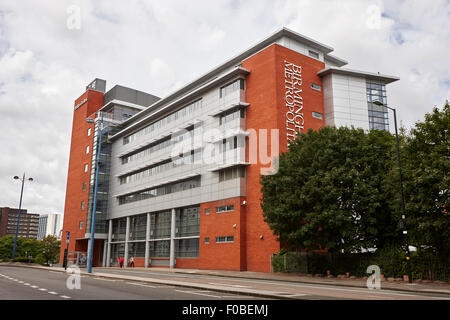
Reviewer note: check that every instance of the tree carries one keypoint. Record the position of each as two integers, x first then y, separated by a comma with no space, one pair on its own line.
427,181
330,191
50,248
24,248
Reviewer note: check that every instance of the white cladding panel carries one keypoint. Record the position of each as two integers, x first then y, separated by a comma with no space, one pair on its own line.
299,47
345,101
210,189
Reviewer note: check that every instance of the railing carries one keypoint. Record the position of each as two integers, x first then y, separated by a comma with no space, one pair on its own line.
425,267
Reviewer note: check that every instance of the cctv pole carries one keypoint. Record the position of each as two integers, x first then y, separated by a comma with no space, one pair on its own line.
18,219
405,232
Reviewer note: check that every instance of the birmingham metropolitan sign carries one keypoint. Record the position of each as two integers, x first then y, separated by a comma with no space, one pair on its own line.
293,100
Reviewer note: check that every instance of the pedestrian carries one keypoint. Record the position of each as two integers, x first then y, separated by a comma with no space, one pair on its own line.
118,261
132,262
121,262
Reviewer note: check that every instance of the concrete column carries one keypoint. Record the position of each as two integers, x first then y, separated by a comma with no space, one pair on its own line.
127,236
108,252
88,251
147,241
105,250
172,240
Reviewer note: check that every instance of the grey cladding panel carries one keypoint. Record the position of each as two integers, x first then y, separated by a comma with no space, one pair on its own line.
130,95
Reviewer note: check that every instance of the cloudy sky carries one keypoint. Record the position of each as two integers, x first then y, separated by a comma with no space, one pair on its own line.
157,46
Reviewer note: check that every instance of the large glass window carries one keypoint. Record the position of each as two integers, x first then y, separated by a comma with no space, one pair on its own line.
117,250
376,100
138,227
231,114
160,191
136,249
191,108
188,222
187,158
159,145
160,249
187,248
232,87
119,229
160,225
231,173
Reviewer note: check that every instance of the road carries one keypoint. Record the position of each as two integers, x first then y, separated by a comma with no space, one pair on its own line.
18,283
29,283
282,288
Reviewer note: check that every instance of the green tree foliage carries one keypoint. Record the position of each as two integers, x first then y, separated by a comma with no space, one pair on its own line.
24,248
43,251
50,248
331,191
427,181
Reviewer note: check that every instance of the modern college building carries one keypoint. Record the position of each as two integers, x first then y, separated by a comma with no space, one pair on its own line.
49,225
178,177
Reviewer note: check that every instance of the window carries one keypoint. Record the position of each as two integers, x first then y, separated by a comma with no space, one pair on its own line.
315,86
228,144
81,225
376,100
230,115
231,173
313,54
82,205
161,190
317,115
207,211
226,239
207,240
87,149
227,208
85,167
187,110
84,186
89,132
232,87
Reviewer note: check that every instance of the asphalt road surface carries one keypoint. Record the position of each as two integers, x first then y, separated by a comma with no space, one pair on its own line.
282,289
40,284
17,283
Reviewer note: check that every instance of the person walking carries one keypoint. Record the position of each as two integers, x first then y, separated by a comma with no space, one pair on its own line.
132,262
121,262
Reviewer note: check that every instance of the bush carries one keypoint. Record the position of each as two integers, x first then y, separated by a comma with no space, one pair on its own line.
40,259
22,259
424,264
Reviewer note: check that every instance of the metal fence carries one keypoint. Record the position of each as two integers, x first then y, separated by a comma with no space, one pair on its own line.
423,267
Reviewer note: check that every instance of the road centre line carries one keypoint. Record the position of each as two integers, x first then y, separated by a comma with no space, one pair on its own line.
200,294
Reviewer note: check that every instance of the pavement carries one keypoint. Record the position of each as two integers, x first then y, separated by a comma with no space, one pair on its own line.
174,277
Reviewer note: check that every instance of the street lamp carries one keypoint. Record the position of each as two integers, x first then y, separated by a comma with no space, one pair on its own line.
18,214
403,224
94,206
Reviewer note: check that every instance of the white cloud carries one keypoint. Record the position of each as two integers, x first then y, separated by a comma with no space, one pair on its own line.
157,46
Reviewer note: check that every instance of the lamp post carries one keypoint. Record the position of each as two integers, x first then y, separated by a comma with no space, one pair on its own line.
94,206
403,221
18,213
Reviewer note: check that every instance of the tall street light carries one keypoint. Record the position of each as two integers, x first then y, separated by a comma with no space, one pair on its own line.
18,214
94,206
403,221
